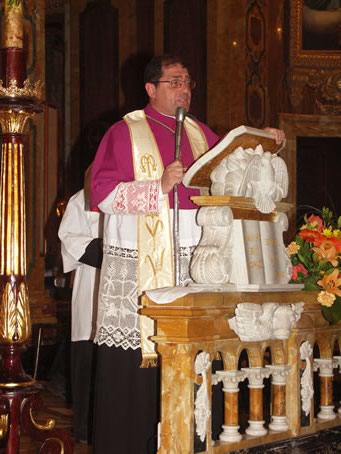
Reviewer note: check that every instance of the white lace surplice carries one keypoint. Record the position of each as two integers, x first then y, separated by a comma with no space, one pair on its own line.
118,319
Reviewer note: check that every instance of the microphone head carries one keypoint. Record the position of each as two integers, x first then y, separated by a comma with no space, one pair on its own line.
180,114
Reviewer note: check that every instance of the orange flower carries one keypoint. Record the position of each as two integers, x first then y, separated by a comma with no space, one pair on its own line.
327,251
336,242
331,282
312,236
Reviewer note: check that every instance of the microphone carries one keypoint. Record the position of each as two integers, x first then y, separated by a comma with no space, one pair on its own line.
180,117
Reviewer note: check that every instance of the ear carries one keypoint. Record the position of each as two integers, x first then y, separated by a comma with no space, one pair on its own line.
150,89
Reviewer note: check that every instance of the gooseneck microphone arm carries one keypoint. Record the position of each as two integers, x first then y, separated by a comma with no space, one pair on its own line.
180,117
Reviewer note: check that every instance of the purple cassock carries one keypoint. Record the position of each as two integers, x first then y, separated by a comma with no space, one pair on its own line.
113,163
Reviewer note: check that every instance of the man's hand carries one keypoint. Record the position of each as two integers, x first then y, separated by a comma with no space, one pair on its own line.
278,133
171,176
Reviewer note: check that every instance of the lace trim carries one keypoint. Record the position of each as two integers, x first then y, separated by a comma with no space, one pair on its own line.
137,197
115,251
119,338
118,321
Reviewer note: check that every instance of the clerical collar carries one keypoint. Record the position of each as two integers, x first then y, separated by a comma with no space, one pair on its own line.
151,110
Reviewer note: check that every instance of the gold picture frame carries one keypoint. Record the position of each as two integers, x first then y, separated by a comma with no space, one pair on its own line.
307,58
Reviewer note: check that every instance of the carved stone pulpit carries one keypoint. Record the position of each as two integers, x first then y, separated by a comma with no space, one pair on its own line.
243,219
241,301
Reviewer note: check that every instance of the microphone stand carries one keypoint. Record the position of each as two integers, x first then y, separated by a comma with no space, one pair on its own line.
180,117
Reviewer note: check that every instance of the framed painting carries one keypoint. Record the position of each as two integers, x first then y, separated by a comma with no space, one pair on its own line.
315,33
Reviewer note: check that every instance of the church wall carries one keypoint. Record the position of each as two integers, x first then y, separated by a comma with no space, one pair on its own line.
238,52
226,64
213,36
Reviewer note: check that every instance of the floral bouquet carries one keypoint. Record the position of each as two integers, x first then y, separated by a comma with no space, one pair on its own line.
316,258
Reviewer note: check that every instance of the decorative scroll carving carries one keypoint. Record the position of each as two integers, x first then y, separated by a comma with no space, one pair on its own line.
211,261
54,440
49,425
307,387
257,322
328,91
202,410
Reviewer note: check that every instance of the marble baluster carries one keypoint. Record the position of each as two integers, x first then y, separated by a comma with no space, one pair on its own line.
279,420
231,380
325,367
256,376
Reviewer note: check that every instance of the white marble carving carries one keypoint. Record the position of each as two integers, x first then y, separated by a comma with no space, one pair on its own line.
202,410
252,173
212,258
257,322
307,387
337,362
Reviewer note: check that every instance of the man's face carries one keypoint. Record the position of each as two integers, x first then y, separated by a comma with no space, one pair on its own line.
166,99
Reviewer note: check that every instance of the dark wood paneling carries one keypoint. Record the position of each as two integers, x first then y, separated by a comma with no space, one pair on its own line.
98,75
185,35
145,25
132,70
98,61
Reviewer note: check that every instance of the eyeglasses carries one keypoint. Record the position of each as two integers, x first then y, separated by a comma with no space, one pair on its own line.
177,83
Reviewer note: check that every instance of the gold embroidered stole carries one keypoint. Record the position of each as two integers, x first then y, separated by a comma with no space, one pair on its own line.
155,251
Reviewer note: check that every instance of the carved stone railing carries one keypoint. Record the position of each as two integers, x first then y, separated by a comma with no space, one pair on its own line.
194,330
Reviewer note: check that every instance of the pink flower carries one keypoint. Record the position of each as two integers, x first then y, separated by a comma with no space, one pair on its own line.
316,221
298,269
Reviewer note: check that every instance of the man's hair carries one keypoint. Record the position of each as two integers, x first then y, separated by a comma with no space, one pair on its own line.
154,69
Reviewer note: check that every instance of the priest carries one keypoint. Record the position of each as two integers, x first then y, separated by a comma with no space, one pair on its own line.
133,178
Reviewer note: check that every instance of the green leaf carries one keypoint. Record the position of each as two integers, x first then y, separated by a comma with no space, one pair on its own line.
339,222
333,314
302,260
311,286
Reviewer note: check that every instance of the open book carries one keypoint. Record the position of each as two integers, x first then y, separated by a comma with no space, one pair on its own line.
198,175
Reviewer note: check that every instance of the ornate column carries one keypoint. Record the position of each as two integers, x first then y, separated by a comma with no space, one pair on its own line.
230,379
325,367
279,420
19,100
256,376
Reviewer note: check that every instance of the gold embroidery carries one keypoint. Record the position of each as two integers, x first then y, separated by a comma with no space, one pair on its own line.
157,264
148,164
154,227
154,230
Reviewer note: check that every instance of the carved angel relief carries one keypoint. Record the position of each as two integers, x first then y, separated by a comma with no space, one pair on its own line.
257,322
252,173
